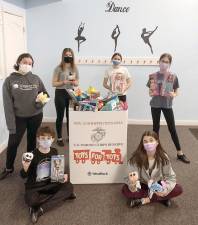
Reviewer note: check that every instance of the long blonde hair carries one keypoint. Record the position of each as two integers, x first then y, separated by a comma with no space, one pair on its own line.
73,65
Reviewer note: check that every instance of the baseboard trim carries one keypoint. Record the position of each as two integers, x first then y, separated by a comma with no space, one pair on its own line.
139,122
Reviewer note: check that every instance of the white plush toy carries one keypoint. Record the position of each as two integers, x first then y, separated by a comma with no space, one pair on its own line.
27,156
133,182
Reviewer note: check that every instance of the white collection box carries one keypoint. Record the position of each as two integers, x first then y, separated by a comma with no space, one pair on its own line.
98,146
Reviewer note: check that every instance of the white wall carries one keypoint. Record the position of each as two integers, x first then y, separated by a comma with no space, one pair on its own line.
52,27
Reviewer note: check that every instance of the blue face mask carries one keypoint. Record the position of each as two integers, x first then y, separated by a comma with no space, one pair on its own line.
45,144
116,62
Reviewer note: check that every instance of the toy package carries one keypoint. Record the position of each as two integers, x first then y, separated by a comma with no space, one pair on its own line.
161,87
57,168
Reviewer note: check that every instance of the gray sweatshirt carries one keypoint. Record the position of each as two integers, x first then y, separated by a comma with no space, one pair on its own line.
19,97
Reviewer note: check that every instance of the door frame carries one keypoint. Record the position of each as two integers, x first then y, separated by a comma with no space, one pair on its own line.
13,10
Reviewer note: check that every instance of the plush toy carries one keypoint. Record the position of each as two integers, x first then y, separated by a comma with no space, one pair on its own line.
155,187
27,156
91,90
43,98
133,182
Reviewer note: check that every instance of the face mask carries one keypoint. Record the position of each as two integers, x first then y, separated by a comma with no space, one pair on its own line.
164,66
150,147
116,62
45,144
24,68
68,59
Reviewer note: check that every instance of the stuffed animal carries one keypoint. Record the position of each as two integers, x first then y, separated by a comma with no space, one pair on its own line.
133,182
91,90
27,156
155,187
43,98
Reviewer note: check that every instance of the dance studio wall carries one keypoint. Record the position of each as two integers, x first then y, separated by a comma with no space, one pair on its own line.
52,27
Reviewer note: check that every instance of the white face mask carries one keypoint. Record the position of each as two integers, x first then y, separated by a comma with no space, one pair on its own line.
25,68
45,144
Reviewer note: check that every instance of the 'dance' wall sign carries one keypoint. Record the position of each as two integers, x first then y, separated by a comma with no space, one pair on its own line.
112,7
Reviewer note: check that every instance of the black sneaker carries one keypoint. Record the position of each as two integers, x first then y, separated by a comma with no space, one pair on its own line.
60,142
135,203
34,216
183,158
5,173
166,203
35,213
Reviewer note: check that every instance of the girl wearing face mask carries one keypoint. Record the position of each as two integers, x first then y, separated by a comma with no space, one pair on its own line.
117,78
23,109
152,164
163,88
65,76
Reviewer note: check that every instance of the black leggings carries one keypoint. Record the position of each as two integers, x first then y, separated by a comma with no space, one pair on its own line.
62,100
169,117
31,124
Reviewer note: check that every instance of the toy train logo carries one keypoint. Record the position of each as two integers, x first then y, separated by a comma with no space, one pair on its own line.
98,134
96,157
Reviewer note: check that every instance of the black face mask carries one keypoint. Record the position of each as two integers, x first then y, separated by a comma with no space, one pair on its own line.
68,59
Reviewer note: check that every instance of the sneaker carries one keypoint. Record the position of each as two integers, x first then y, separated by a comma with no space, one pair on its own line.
35,213
183,158
166,203
135,203
5,173
60,142
34,216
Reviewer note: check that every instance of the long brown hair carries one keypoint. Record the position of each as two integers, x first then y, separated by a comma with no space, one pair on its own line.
139,157
73,65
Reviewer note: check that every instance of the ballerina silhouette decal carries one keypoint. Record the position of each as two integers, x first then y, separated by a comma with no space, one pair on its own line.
146,37
115,34
80,39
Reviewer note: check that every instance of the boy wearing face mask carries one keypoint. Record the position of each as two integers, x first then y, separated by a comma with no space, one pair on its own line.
23,109
38,188
66,76
152,164
117,78
166,89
